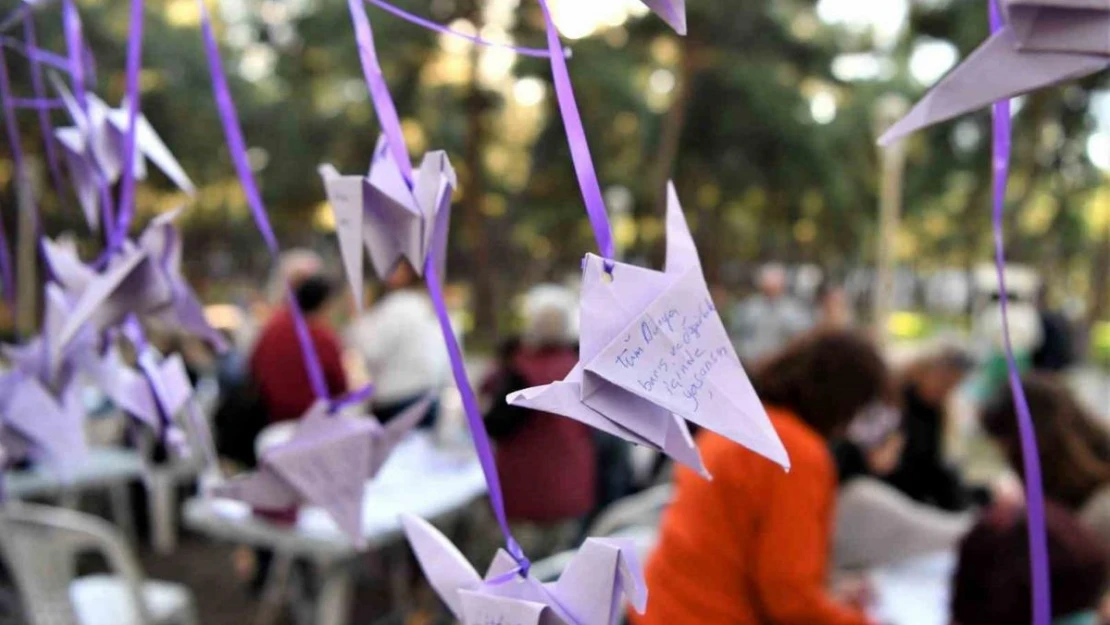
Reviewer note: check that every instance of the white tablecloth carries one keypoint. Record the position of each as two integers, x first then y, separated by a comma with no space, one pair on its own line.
915,592
418,478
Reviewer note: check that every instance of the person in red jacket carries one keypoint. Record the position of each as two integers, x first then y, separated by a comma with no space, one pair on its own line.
752,545
277,366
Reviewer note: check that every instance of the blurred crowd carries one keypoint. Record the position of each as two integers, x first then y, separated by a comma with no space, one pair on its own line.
872,480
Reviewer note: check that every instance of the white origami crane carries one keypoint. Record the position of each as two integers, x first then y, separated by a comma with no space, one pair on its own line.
654,354
326,463
590,591
154,397
94,149
388,217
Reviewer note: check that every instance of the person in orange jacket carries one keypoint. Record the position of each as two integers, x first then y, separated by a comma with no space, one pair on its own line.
752,545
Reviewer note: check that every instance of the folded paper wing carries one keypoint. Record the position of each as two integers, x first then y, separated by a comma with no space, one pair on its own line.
1043,43
655,354
52,428
590,591
673,12
388,436
392,219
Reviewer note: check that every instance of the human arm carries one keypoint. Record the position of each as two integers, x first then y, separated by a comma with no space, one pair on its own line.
791,559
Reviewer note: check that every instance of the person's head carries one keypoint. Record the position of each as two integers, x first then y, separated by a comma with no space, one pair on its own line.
549,316
294,266
772,280
1074,448
992,586
314,294
827,378
934,376
403,276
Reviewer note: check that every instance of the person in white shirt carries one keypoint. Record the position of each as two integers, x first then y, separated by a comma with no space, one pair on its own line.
765,322
402,345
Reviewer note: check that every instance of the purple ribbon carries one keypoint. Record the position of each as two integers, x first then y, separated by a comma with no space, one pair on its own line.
71,24
38,104
126,207
14,143
391,127
39,90
44,57
1034,490
439,28
233,132
576,136
379,91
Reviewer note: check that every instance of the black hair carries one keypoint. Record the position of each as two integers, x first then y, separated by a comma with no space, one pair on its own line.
313,292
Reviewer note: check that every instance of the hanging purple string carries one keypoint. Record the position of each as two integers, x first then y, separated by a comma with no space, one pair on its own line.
391,128
44,57
576,136
439,28
1034,492
14,144
39,90
229,119
126,207
71,24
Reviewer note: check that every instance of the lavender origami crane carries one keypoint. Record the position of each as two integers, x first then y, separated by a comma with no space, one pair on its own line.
589,592
392,221
153,397
673,12
1043,43
326,463
144,279
654,354
94,149
38,425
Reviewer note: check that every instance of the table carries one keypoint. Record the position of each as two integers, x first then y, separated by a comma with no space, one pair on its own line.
418,478
915,592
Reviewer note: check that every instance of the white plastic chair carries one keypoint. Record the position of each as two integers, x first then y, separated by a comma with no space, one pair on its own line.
41,544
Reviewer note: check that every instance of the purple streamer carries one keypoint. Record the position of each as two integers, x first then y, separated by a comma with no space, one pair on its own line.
14,143
1034,490
126,207
38,104
473,414
379,91
542,53
71,23
391,127
229,118
44,57
576,136
39,90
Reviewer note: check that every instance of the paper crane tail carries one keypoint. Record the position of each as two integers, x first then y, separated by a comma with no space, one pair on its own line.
996,71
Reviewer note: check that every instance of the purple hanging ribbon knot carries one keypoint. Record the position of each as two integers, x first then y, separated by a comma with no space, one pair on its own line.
1034,490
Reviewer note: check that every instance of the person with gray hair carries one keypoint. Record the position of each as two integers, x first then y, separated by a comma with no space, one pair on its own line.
765,322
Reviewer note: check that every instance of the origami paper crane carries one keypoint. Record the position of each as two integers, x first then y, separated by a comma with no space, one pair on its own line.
654,354
144,279
387,216
673,12
1042,43
94,149
35,424
589,592
37,358
327,463
153,399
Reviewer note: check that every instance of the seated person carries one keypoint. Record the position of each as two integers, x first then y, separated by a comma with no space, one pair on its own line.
992,581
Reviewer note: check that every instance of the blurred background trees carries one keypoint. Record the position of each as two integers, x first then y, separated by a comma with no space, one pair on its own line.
765,116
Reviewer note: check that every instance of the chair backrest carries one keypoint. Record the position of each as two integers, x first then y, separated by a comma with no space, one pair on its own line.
41,545
643,508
